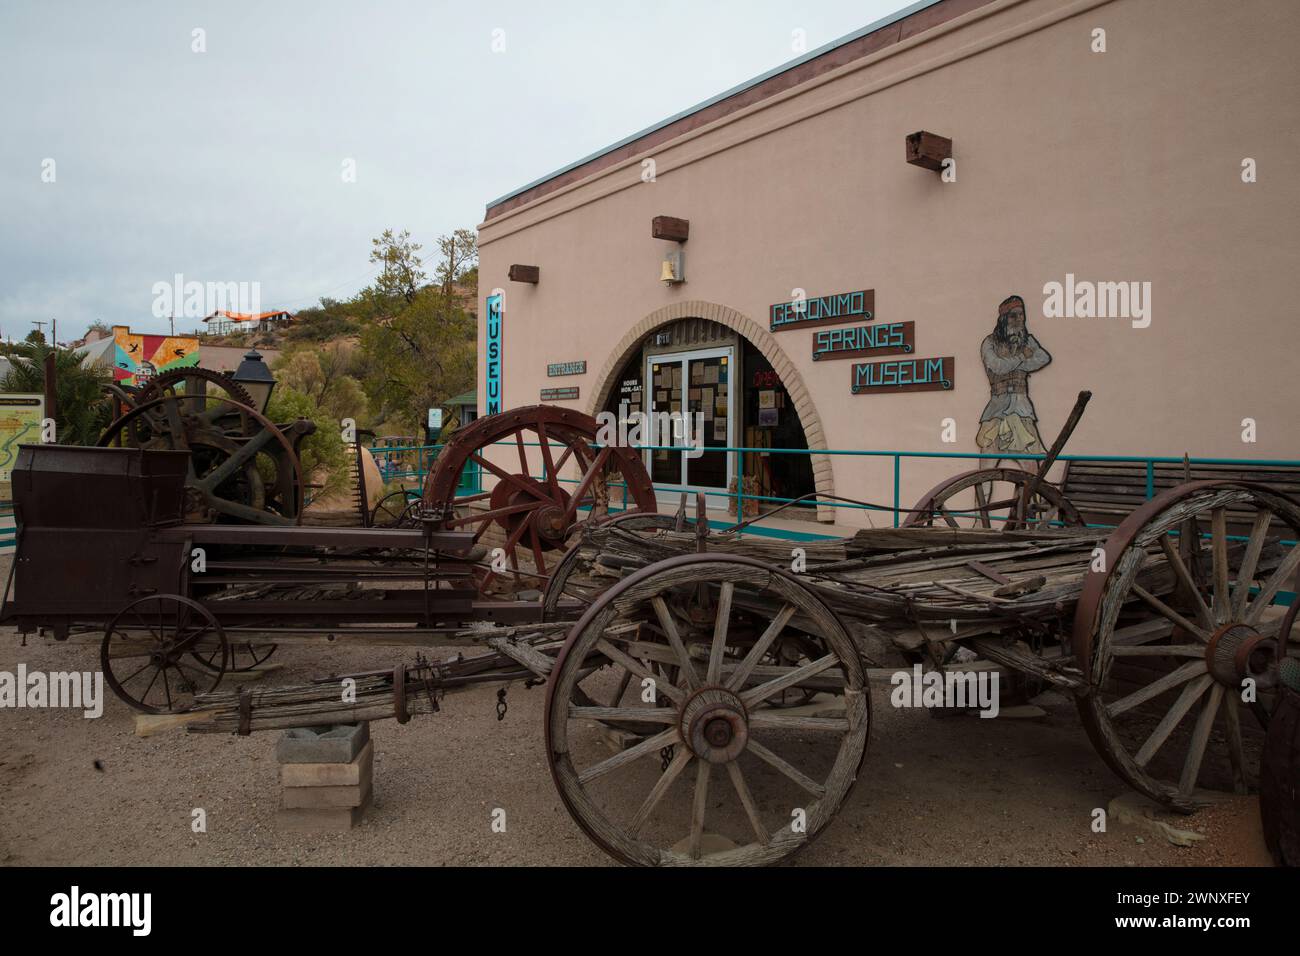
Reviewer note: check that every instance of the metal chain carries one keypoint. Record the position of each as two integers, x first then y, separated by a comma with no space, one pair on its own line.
502,707
666,756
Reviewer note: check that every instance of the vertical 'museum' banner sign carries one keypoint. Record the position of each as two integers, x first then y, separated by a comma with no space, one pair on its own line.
495,316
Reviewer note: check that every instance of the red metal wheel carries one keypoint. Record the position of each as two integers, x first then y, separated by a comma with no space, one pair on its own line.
536,475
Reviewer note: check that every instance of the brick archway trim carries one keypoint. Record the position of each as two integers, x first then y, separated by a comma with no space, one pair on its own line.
764,341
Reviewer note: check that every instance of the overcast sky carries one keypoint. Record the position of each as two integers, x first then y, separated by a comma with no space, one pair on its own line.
227,165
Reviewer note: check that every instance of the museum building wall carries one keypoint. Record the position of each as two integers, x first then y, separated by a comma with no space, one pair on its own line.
1072,166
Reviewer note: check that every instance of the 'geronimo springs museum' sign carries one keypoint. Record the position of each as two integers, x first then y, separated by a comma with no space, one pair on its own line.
823,310
903,375
863,341
859,341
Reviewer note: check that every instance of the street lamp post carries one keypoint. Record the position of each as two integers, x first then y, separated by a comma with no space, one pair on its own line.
256,379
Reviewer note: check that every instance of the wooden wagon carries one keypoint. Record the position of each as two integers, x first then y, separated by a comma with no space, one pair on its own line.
708,694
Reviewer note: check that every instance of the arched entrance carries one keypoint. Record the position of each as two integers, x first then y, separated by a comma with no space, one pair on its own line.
752,337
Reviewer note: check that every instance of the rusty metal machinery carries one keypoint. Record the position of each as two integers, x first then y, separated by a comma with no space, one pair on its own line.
104,550
551,478
1156,629
399,509
243,467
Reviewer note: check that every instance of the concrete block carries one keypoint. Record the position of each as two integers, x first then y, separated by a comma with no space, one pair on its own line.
333,818
330,774
338,744
320,798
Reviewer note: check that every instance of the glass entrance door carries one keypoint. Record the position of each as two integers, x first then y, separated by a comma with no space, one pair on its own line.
697,384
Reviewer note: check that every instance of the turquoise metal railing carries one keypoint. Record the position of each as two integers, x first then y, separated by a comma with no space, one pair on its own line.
8,530
896,458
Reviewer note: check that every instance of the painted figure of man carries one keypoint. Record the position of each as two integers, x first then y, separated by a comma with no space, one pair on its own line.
1010,353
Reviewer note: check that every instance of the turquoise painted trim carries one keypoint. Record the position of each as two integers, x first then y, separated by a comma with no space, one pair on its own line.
1150,461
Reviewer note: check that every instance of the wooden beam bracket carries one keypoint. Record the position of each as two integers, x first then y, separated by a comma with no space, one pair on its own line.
529,274
670,228
928,150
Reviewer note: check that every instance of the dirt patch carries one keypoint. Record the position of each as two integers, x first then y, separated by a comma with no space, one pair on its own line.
956,791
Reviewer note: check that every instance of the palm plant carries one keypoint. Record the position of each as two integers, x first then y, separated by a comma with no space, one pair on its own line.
82,411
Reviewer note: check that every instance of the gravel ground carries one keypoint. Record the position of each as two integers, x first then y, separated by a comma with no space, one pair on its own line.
938,792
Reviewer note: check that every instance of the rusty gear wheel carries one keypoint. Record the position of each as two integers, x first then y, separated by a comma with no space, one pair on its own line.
166,384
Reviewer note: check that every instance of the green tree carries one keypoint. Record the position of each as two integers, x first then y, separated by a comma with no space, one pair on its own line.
459,252
420,344
326,375
420,357
403,272
82,412
322,454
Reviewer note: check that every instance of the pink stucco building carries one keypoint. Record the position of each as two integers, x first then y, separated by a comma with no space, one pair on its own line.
1125,166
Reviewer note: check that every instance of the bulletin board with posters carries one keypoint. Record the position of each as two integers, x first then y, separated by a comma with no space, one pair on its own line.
138,357
20,424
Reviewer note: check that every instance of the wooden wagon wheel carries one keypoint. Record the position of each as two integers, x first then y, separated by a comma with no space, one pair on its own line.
544,478
148,650
1172,649
785,774
223,477
994,498
558,585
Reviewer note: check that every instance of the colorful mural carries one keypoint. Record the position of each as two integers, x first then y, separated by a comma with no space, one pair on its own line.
139,358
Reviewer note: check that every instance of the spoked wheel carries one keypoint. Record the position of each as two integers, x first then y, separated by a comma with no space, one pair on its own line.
244,656
790,651
758,782
568,581
1179,634
401,509
532,476
149,650
994,498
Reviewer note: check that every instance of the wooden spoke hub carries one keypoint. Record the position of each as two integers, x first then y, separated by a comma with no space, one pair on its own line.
715,725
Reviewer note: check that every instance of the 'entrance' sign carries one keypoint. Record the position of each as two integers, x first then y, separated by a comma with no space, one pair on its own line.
835,309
